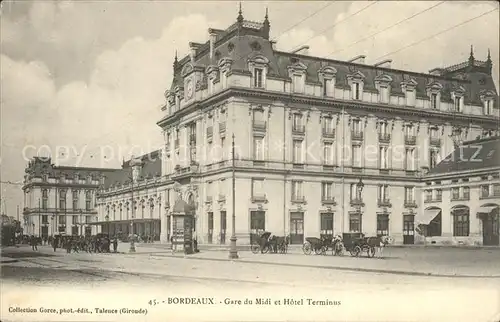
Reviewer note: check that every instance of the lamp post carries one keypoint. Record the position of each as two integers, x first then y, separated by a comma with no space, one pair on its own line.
233,252
132,237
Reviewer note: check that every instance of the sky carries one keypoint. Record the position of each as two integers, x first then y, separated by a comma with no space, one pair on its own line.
83,81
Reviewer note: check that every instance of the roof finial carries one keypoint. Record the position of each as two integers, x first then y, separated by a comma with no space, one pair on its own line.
471,56
175,55
267,12
489,55
240,15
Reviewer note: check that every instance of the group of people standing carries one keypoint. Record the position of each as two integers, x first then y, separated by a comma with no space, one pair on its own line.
91,244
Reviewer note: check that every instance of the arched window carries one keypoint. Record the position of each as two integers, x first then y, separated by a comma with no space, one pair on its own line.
461,221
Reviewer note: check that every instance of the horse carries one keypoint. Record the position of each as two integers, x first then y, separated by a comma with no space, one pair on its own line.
379,243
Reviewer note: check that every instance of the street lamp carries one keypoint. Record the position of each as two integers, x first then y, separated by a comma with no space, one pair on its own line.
233,252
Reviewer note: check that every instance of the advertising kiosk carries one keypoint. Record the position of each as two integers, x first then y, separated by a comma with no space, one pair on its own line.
183,227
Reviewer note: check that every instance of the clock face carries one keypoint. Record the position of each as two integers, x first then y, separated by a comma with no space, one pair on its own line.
189,89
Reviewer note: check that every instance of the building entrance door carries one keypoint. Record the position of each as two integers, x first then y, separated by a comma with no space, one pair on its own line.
257,225
296,228
491,229
408,229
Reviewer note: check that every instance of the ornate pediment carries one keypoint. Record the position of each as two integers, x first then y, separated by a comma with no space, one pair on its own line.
383,79
434,86
187,69
297,68
327,71
258,59
487,94
225,63
459,91
356,75
409,83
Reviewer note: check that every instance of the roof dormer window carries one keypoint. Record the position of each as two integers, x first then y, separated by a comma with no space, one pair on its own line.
487,108
383,84
258,67
434,94
297,73
224,67
327,77
356,81
212,73
409,87
488,99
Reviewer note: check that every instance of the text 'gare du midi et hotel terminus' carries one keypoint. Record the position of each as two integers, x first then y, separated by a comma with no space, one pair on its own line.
322,147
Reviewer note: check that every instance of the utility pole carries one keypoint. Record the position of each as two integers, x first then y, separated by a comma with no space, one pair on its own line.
233,252
132,244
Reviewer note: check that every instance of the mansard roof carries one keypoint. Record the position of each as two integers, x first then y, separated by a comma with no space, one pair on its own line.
472,155
247,39
151,167
39,166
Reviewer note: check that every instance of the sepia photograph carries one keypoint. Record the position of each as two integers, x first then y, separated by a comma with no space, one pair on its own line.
249,161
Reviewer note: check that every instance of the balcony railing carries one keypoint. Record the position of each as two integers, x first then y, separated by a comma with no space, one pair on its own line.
328,200
259,197
435,142
410,139
357,135
384,137
298,129
222,127
410,204
431,199
329,133
259,125
357,202
299,199
384,203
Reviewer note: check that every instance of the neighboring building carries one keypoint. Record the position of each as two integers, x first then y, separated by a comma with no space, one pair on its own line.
138,183
461,196
60,199
291,114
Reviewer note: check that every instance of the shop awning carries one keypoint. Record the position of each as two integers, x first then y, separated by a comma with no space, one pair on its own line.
486,210
429,214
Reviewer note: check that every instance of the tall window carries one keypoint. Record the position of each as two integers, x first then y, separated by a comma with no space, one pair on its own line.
327,87
455,193
209,190
297,193
223,147
328,125
355,195
439,194
356,156
434,101
62,220
357,91
461,222
326,225
409,195
74,220
222,187
45,198
62,199
409,131
297,122
258,148
410,97
410,159
466,193
428,195
384,94
356,126
75,199
383,157
297,152
258,188
355,223
382,127
88,200
328,153
258,82
383,193
382,224
298,83
434,133
458,104
258,118
45,219
327,191
487,107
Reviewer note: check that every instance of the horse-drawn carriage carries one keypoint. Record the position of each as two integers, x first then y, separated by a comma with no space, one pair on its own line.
322,245
270,244
356,243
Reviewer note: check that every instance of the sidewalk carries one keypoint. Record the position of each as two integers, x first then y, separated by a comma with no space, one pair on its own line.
421,262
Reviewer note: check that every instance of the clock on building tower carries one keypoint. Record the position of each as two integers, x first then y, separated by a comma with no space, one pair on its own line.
189,89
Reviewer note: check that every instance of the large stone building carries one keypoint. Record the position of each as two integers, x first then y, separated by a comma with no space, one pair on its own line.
461,196
59,199
307,130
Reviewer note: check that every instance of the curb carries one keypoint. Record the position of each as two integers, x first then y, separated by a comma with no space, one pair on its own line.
7,261
340,268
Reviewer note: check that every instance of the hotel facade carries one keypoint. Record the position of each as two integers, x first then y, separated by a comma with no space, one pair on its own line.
307,131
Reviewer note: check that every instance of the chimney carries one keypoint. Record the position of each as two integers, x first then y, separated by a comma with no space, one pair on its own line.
212,39
384,63
304,50
358,59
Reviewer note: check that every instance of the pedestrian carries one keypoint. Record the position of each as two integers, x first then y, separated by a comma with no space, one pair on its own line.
34,242
115,245
54,244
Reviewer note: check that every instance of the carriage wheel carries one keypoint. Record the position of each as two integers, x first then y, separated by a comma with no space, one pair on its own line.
307,249
266,249
371,252
356,251
255,248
